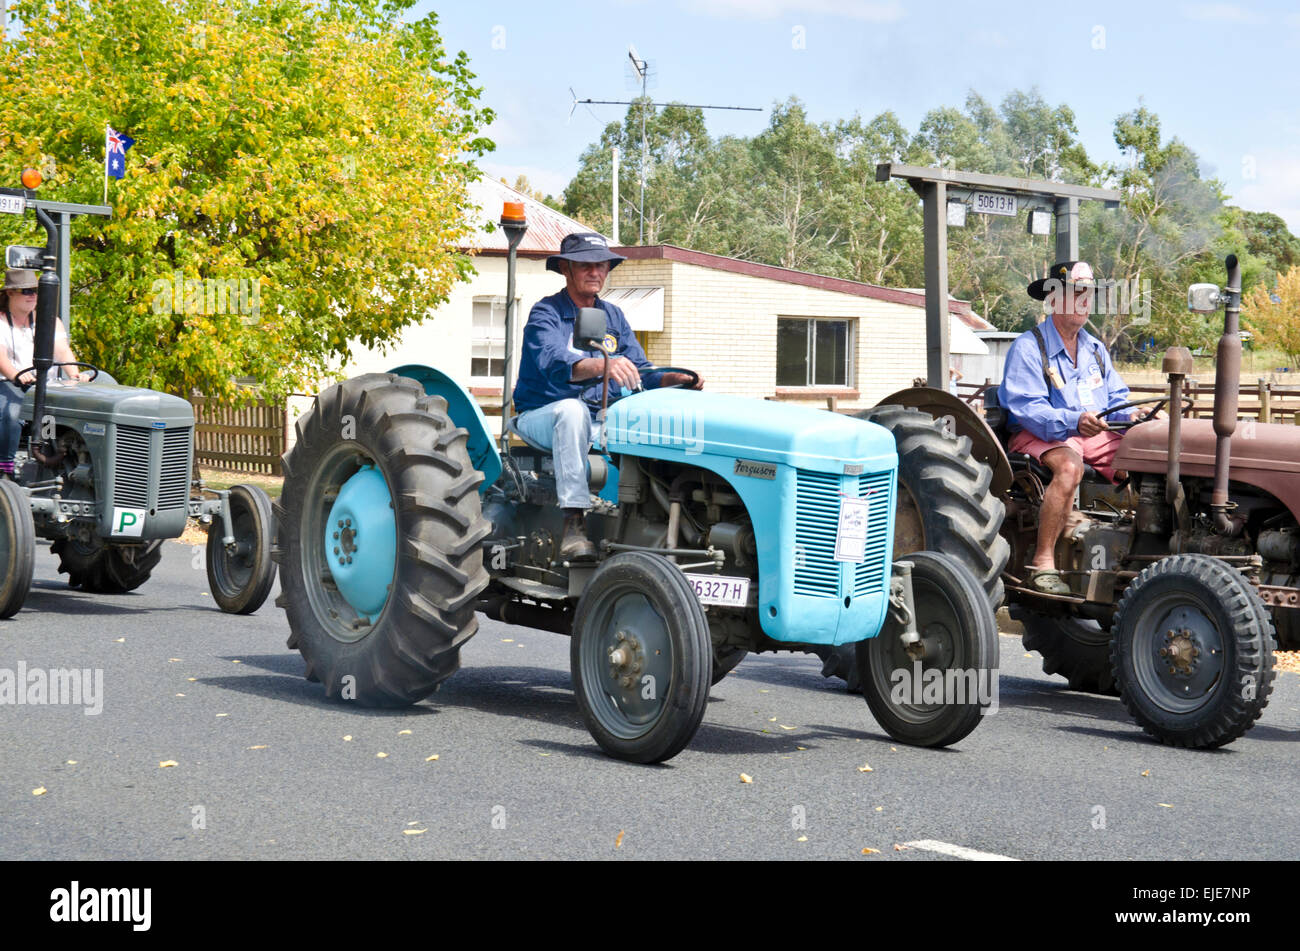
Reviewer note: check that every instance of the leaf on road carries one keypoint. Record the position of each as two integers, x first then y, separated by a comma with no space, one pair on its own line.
871,851
1146,772
865,768
414,831
618,841
880,808
802,838
39,791
746,778
223,714
801,747
403,732
771,719
900,848
784,727
348,738
167,763
430,759
1165,804
173,660
180,695
381,756
507,640
236,661
72,762
262,747
120,640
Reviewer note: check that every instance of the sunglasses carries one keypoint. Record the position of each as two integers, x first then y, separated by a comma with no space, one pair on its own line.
28,291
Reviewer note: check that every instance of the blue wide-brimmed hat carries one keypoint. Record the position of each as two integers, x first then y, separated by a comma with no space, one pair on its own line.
586,247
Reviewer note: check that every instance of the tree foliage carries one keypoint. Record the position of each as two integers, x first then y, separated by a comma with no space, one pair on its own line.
1271,313
803,195
316,151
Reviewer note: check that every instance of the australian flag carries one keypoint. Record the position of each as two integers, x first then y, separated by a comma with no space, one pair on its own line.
115,146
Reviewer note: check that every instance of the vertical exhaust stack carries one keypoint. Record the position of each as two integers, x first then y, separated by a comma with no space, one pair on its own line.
1227,380
47,312
1177,365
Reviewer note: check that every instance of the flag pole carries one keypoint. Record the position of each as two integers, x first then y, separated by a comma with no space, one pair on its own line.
106,127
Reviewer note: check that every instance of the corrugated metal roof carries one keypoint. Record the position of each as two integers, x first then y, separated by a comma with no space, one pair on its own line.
546,226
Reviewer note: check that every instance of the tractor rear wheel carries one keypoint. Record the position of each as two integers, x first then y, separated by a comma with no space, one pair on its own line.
944,504
939,699
379,541
1076,648
1193,652
17,547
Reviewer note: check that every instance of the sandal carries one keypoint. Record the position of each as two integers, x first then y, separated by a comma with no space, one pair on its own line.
1047,581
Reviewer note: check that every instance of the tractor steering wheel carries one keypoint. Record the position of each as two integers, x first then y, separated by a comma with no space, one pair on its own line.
27,386
695,377
1149,415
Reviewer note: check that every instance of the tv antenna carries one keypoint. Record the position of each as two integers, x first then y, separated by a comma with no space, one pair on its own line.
641,70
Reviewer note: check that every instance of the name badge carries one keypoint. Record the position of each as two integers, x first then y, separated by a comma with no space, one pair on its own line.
1085,395
1094,376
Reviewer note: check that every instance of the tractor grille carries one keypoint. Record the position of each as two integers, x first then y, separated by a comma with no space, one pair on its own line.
131,474
869,577
817,514
174,489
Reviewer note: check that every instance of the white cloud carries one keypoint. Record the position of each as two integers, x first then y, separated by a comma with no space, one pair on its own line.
887,11
545,180
1275,188
1222,13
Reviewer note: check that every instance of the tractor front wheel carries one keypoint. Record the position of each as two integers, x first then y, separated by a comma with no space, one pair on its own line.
241,578
98,567
641,658
379,541
938,698
1193,652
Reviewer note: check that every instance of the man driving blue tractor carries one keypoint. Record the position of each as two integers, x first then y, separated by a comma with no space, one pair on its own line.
555,374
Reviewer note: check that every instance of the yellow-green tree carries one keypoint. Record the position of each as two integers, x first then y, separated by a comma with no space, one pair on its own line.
1273,315
307,159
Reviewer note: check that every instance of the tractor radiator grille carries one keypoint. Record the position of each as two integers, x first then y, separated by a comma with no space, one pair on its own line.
817,514
131,474
174,489
869,577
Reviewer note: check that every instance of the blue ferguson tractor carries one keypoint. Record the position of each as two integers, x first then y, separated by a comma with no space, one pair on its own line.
723,526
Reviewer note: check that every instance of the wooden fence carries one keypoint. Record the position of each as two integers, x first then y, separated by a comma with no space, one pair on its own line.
1262,401
248,439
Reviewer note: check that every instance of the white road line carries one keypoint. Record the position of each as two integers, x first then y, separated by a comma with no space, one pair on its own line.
958,851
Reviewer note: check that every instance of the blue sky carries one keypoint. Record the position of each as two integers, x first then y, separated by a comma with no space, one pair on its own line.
1222,77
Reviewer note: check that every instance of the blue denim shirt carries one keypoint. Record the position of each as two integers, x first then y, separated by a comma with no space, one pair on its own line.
1052,414
549,353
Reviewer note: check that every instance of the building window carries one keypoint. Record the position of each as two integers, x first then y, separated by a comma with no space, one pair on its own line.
813,352
488,337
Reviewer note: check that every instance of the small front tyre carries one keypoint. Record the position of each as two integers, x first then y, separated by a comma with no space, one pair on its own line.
938,699
1193,652
641,658
17,548
241,577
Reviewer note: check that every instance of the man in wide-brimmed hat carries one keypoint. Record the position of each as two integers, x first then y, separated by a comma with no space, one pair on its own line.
1058,378
554,371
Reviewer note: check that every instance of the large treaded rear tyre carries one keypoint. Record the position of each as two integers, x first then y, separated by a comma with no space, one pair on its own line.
1076,648
17,548
405,639
1193,652
102,568
944,504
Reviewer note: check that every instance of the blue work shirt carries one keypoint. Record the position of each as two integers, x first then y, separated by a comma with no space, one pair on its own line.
549,353
1052,413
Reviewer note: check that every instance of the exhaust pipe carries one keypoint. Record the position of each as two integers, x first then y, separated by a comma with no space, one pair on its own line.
1177,365
1227,379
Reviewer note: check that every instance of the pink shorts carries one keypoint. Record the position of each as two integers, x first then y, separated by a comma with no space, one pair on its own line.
1097,451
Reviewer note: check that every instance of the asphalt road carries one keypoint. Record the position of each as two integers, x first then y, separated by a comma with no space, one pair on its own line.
266,768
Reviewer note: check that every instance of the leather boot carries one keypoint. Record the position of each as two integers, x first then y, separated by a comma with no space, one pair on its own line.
575,546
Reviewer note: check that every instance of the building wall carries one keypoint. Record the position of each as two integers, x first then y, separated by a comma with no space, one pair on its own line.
724,325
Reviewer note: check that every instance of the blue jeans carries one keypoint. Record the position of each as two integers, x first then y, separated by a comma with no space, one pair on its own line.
11,424
565,428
